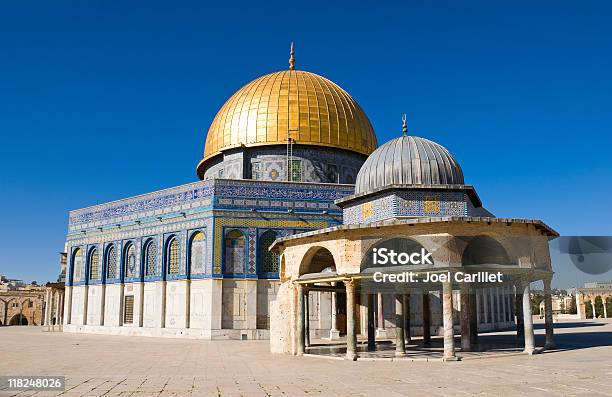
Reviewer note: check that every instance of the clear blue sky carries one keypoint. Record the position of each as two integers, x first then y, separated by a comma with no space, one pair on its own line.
100,102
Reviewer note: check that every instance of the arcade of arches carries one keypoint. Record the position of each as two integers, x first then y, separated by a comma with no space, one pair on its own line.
327,289
595,302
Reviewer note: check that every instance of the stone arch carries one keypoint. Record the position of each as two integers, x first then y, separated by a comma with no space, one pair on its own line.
485,250
316,260
18,319
399,244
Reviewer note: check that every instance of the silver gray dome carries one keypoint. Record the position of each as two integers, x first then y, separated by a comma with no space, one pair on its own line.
408,160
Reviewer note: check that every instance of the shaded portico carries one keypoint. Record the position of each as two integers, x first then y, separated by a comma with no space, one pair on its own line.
332,261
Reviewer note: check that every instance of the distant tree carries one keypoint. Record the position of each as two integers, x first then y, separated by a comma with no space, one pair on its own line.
599,307
588,307
572,307
34,282
609,306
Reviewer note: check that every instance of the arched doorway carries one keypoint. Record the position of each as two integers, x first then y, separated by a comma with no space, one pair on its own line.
18,319
326,310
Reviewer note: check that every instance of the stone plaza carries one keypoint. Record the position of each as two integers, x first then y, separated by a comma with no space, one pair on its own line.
104,365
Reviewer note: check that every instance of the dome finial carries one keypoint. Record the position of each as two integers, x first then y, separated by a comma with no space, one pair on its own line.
404,125
291,58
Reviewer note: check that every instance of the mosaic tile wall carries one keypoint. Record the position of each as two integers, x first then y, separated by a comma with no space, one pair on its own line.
407,204
196,197
207,209
311,164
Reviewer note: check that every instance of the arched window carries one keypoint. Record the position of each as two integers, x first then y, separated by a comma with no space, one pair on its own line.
197,253
235,245
129,261
150,255
94,265
173,256
111,262
77,265
268,261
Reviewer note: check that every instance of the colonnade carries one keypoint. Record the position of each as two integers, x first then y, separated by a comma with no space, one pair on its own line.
476,307
54,309
591,297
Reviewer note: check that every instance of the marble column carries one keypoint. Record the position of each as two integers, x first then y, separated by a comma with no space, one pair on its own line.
300,320
593,308
47,310
306,318
504,301
518,304
55,308
334,334
464,300
400,345
371,325
604,307
381,332
485,305
473,318
406,304
492,313
548,315
426,320
447,317
528,320
580,307
60,309
351,336
478,306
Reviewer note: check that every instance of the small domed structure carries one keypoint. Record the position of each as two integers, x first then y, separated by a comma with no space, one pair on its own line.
410,177
408,160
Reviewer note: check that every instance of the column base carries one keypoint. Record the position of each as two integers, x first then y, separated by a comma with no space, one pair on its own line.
549,346
334,334
450,358
381,333
400,354
351,356
530,350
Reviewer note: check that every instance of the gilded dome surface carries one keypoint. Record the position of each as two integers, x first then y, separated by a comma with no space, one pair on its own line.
408,160
315,111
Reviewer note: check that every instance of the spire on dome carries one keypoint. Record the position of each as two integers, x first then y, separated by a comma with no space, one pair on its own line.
404,125
291,58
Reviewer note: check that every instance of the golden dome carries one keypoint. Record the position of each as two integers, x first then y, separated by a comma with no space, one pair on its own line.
314,109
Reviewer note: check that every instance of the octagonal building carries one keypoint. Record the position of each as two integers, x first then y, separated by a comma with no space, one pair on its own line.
193,260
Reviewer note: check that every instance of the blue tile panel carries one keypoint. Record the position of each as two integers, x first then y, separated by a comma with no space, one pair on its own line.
408,203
